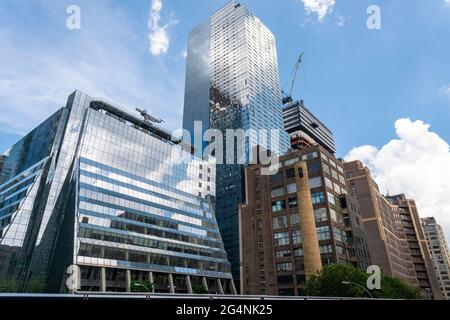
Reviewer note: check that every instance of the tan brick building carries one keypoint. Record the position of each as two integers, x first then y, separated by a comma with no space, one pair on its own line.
394,233
297,220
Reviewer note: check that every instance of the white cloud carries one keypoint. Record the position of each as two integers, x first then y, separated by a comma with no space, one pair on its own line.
417,164
184,53
158,36
447,2
319,7
37,75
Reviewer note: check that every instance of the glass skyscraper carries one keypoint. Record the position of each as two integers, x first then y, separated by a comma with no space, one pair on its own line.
96,187
232,82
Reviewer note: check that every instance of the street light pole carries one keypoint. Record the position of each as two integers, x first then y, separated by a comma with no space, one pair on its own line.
358,285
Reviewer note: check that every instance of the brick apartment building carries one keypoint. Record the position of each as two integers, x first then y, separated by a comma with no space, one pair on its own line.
394,233
296,221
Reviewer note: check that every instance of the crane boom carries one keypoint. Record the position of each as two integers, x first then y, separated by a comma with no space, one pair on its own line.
294,72
287,97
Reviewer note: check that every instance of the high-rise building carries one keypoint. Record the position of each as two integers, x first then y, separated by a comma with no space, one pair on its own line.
232,82
305,128
100,189
394,233
2,160
296,221
440,253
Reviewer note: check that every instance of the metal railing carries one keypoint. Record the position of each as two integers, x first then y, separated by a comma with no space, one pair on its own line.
162,296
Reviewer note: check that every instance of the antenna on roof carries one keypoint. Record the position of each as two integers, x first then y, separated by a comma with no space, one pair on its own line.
147,117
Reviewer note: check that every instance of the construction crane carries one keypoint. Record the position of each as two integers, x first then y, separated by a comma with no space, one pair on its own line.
287,97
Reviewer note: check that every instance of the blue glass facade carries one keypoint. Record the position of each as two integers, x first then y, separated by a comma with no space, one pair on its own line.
232,67
96,187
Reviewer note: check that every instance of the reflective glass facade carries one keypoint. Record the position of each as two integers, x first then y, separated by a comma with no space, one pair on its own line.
232,67
97,187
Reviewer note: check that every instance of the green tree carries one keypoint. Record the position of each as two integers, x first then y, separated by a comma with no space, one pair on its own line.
10,285
395,288
328,283
199,289
36,285
141,286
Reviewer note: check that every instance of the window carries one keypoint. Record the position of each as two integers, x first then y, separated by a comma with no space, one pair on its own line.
318,197
334,174
292,187
328,183
332,163
340,250
281,238
326,168
332,199
298,252
279,205
295,219
282,253
324,156
336,188
333,215
277,192
326,249
336,216
290,173
321,215
285,266
323,233
315,182
313,167
290,162
296,237
278,177
280,222
342,179
310,156
293,202
338,234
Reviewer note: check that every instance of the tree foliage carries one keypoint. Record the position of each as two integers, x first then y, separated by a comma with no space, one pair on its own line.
329,283
141,286
199,289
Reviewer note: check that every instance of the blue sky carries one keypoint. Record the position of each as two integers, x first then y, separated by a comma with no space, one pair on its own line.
359,82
